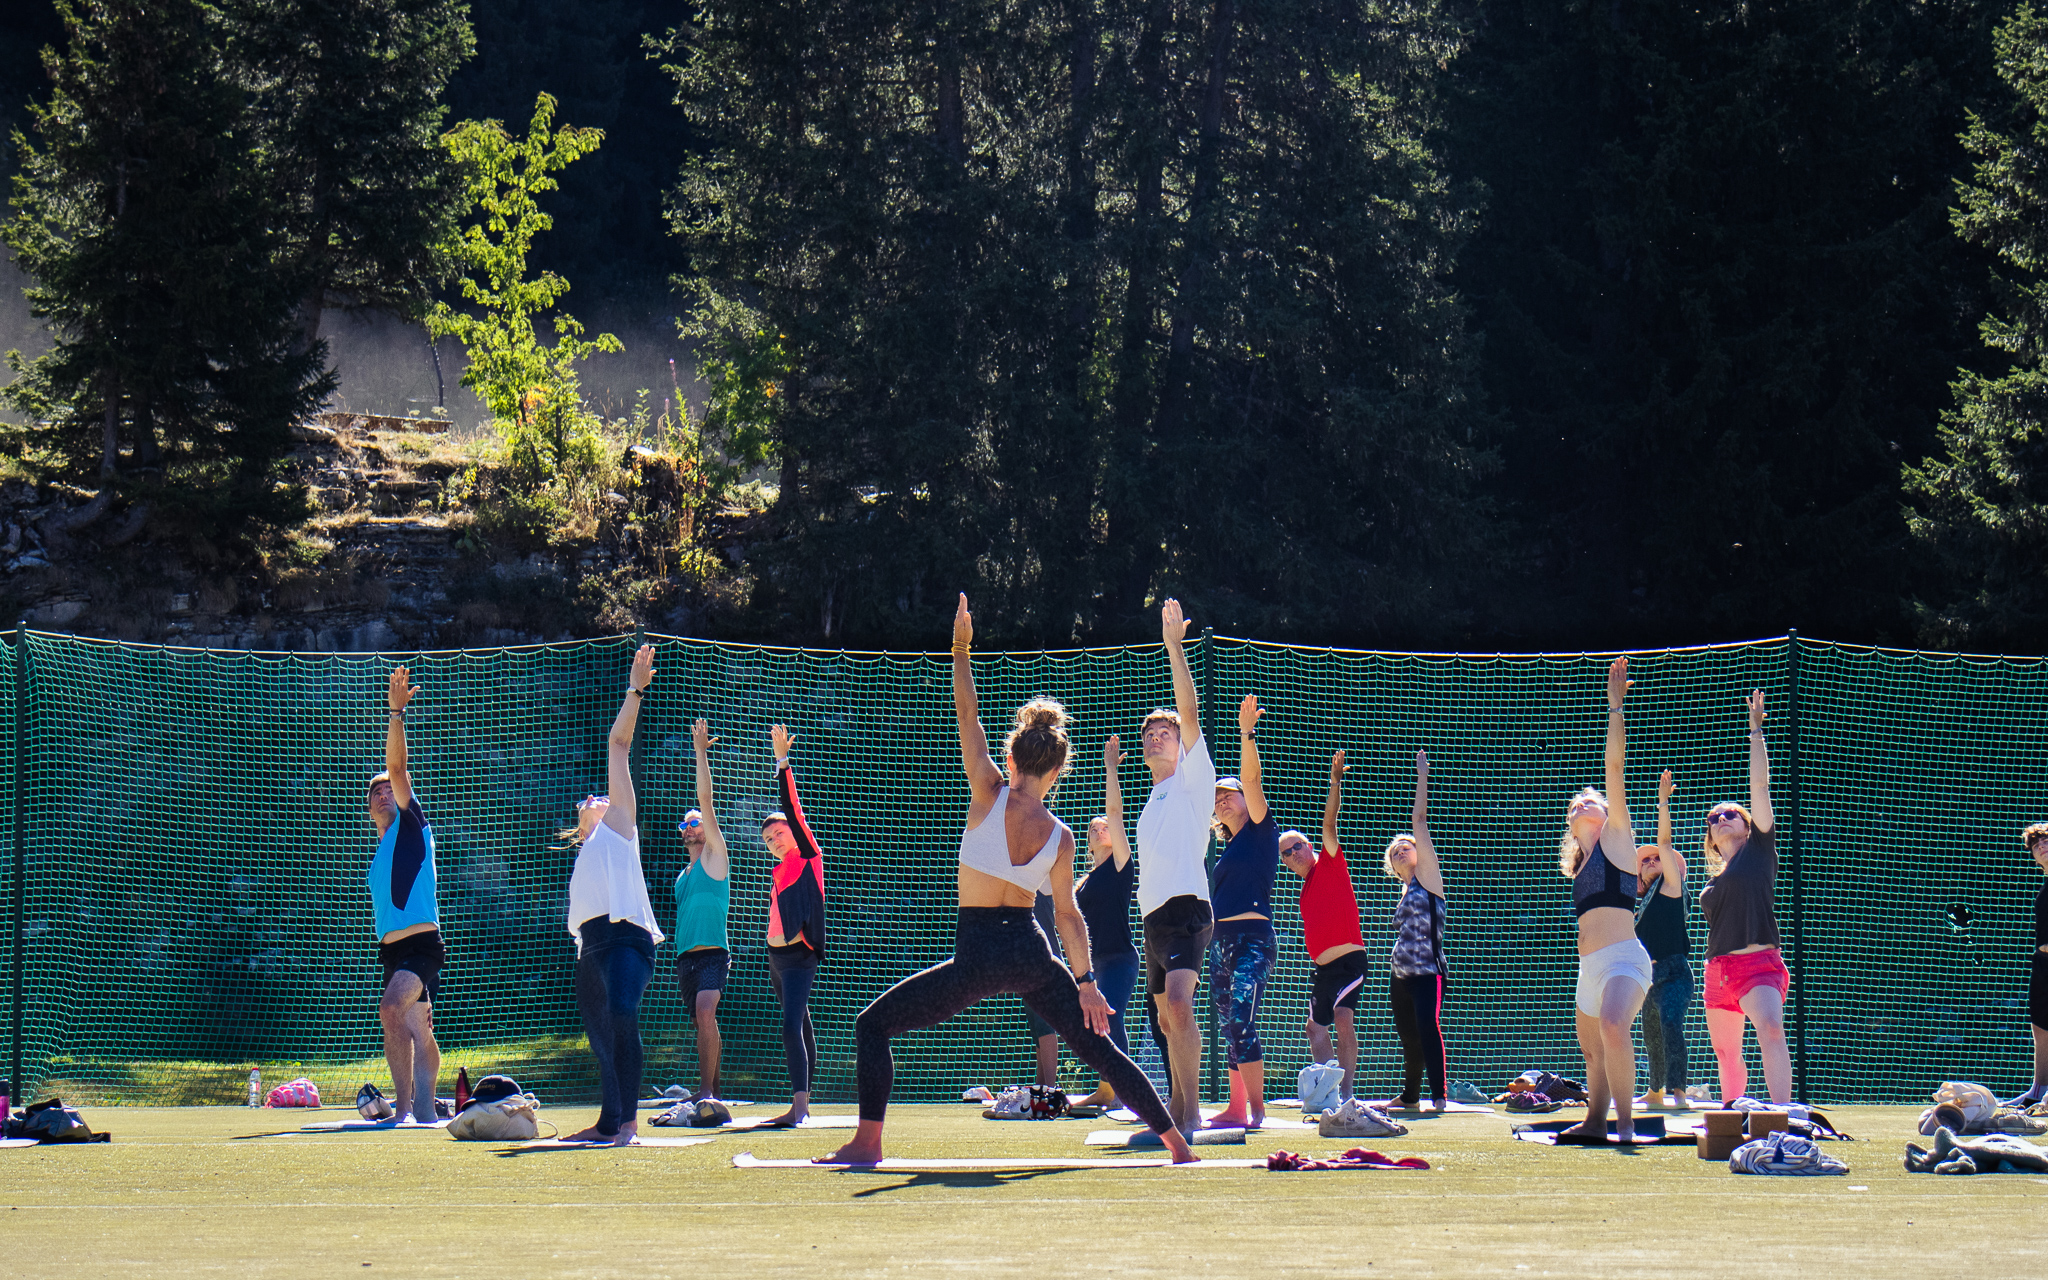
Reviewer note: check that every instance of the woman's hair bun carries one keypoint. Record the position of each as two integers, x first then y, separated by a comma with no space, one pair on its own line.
1042,713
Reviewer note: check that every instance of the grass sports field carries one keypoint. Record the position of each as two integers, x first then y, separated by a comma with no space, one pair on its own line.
196,1191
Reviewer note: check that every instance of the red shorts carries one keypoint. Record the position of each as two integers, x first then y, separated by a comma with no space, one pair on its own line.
1729,978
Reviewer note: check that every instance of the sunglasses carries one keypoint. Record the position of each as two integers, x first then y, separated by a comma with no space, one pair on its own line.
1722,815
690,824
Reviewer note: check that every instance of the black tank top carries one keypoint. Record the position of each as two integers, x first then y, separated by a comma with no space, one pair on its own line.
1602,884
1661,926
1105,901
2041,918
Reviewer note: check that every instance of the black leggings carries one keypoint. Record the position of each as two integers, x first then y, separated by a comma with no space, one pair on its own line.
610,979
795,968
995,949
1418,1009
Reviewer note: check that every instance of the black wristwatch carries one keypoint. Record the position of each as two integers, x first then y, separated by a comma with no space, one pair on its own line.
1085,979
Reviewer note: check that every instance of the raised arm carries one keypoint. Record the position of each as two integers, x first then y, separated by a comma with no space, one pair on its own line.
1173,629
982,774
714,838
1759,766
1113,802
1072,927
1617,838
785,779
1667,853
1429,873
1254,775
1333,803
396,763
624,814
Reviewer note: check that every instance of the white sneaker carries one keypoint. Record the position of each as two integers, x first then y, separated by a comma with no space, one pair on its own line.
1354,1119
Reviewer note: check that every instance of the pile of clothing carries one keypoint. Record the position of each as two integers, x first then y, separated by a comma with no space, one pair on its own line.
1801,1121
1784,1154
1989,1153
1966,1107
1540,1092
1356,1158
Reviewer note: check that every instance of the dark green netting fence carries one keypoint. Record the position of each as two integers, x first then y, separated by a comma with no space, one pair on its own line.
195,845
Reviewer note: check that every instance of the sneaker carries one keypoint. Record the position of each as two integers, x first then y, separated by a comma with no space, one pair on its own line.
1013,1103
1468,1093
372,1105
1354,1119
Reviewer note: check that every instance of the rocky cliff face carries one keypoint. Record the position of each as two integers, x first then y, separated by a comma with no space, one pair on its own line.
395,558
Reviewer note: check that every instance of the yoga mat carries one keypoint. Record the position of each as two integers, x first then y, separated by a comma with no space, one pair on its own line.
8,1143
1124,1115
1393,1107
759,1124
746,1160
369,1126
1651,1131
1075,1113
663,1104
560,1144
1146,1138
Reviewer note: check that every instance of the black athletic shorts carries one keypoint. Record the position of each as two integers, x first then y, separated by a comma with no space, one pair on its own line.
1177,936
2037,991
702,970
1337,984
422,954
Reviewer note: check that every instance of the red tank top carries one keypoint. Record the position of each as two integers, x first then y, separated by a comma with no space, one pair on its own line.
1329,907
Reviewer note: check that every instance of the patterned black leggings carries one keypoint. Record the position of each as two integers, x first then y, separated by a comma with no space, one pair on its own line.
995,949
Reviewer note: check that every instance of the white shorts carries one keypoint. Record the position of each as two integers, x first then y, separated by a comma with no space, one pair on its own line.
1626,959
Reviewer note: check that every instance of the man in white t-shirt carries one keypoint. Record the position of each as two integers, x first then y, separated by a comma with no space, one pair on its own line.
1173,876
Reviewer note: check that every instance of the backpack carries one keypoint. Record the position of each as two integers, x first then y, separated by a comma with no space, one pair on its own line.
506,1119
1962,1106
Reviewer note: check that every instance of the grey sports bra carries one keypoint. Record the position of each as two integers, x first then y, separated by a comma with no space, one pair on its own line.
987,849
1600,883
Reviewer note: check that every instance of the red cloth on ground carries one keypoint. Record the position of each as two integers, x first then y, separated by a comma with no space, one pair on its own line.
1356,1158
1329,906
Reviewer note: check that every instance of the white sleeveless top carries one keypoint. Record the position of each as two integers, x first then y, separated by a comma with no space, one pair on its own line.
607,881
987,849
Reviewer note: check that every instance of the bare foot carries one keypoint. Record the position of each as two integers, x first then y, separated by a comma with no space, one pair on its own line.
1624,1132
589,1135
1182,1152
1104,1096
789,1119
866,1147
1585,1129
628,1135
1227,1120
1650,1100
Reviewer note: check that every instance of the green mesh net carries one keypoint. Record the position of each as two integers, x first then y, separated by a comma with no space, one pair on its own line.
196,841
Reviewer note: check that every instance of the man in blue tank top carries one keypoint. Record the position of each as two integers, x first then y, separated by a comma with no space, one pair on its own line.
408,921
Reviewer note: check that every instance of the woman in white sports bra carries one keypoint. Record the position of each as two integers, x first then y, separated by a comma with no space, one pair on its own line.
1012,849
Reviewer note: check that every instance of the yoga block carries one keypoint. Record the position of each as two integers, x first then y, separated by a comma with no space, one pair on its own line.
1723,1124
1719,1146
1762,1123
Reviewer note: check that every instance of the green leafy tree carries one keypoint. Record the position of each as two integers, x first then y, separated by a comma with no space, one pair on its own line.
1981,504
141,219
530,387
1071,303
346,96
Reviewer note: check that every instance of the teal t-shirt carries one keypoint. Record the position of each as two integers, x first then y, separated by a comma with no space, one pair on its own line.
701,905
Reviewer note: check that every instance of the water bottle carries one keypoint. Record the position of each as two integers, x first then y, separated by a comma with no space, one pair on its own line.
461,1088
255,1087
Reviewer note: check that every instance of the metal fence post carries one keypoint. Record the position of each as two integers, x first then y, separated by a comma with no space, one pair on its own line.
1790,840
1212,1055
20,912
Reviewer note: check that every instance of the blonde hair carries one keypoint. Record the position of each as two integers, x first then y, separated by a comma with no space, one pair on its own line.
1569,855
1038,745
1714,860
1161,713
1387,857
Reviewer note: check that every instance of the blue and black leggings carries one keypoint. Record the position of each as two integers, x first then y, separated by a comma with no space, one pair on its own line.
612,973
1240,962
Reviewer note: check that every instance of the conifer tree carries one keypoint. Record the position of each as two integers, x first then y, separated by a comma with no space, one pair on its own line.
1981,504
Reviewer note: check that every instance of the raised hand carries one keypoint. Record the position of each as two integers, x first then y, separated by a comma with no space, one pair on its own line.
963,625
402,688
1618,682
1756,710
1665,786
1173,624
780,736
1112,753
643,667
700,734
1248,713
1422,766
1338,768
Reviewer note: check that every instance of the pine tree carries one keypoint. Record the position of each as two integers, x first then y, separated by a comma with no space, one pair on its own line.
1982,503
1071,303
153,249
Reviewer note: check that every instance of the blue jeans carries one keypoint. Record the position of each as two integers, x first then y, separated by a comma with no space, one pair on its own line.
1664,1011
1240,960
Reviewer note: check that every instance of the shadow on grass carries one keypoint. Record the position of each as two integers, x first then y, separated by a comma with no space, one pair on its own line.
976,1179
